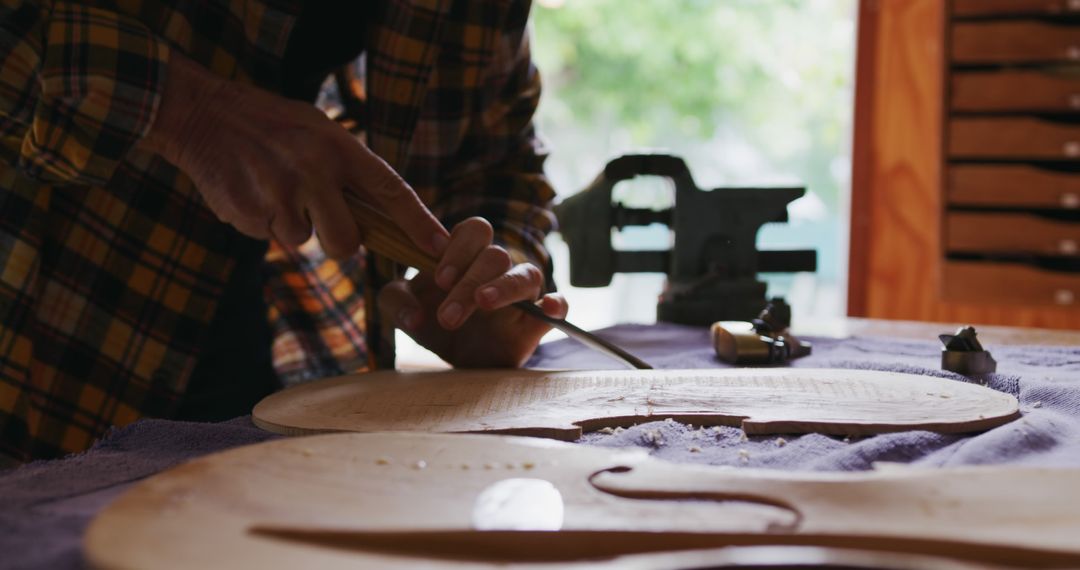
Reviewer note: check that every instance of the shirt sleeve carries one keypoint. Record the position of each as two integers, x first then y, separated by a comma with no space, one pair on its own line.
509,188
80,84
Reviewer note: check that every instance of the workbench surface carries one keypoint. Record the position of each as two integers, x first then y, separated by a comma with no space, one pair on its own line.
45,506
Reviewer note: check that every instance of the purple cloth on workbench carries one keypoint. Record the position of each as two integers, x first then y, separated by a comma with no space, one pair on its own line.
1046,380
45,506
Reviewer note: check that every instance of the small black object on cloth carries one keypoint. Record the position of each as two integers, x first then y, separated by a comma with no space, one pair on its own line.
963,354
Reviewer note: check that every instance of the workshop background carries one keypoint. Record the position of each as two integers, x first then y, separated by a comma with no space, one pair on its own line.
748,92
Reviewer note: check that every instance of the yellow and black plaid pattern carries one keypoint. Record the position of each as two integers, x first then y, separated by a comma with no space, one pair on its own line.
110,264
451,100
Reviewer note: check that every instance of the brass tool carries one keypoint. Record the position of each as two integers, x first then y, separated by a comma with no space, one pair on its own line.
384,237
765,340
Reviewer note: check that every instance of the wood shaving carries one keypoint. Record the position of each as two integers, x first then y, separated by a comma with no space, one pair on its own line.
653,437
607,430
694,449
619,430
781,442
669,420
744,456
1037,405
743,437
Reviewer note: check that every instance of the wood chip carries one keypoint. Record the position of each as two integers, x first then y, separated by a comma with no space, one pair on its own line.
781,442
653,437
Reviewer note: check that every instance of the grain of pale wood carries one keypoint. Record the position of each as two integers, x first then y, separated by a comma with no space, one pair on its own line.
206,513
897,202
560,405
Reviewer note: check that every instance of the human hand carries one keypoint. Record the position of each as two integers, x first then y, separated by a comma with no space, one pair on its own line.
273,167
461,311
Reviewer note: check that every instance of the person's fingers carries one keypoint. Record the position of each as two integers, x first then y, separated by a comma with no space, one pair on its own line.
555,305
460,302
337,230
522,283
398,305
289,226
374,178
531,330
468,239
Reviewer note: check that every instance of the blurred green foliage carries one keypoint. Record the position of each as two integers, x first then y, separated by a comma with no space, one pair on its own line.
772,77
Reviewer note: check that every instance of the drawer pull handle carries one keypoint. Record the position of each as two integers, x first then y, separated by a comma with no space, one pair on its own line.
1064,297
1072,52
1074,101
1068,247
1070,200
1072,149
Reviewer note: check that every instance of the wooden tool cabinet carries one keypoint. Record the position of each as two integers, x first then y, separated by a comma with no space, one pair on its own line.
966,186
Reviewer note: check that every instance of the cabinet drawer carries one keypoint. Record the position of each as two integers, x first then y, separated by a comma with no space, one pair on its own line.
1014,42
1020,91
967,232
979,282
1013,139
1012,187
1014,7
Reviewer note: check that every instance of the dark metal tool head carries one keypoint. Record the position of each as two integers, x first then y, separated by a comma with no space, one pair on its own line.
964,354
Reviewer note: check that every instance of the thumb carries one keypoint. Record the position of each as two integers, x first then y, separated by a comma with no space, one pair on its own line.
399,306
554,305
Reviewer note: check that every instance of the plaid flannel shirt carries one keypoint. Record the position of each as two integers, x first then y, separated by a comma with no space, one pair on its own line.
110,264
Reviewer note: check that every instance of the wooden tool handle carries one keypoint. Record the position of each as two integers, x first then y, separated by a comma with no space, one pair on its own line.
384,237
